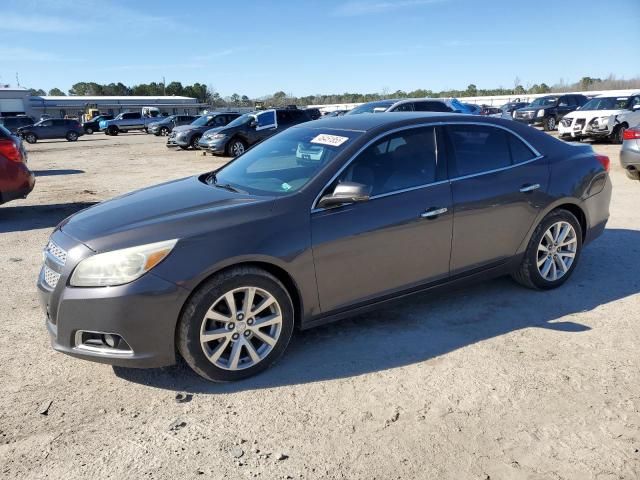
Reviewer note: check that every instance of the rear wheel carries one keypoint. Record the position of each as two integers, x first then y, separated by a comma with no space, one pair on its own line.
88,130
71,136
31,138
236,325
164,131
553,252
549,124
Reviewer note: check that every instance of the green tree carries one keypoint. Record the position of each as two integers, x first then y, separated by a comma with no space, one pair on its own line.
56,92
175,88
472,91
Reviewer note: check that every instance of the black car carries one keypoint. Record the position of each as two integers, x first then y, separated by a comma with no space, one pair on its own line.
250,129
166,125
188,136
93,125
52,128
549,110
14,123
325,220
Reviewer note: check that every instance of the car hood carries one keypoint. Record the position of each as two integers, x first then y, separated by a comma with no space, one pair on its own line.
176,209
589,114
212,131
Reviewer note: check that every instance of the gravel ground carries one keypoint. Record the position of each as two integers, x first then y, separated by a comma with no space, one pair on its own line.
491,382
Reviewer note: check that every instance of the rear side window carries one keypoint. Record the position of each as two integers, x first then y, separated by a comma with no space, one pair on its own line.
431,107
477,148
404,107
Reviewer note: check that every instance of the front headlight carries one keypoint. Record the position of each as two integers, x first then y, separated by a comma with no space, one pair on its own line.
603,120
218,136
540,113
120,266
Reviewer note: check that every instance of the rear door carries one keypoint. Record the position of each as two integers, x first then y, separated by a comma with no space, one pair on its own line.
267,125
498,185
45,129
566,104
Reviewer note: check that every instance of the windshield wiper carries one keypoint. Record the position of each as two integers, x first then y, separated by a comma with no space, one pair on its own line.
213,180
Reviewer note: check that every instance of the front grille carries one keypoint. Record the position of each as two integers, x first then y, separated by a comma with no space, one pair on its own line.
567,122
50,277
59,255
580,122
524,114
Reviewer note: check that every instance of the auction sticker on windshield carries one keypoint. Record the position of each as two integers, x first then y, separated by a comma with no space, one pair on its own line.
331,140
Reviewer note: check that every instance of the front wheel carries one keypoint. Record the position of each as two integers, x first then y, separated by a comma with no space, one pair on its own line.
549,124
88,131
194,142
553,252
113,131
236,147
236,325
618,134
30,138
164,131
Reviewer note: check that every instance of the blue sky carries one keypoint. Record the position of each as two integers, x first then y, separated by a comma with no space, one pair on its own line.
256,47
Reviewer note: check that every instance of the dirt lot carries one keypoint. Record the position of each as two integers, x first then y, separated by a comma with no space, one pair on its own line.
495,381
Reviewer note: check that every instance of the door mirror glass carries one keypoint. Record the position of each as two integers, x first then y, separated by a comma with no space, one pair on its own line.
345,192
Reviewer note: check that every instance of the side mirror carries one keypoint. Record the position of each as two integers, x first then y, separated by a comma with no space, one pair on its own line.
379,109
253,123
345,192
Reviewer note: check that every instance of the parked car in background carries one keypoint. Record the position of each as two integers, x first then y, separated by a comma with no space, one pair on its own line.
630,153
51,129
166,125
222,267
508,108
16,180
13,123
93,125
314,113
188,136
602,117
249,129
127,121
334,113
473,108
549,110
406,105
487,110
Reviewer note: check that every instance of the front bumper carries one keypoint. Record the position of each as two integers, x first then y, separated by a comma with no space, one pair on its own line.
217,147
25,180
529,120
143,313
174,140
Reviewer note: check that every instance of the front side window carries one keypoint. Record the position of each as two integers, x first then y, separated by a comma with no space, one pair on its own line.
45,123
404,107
266,120
399,161
284,163
431,107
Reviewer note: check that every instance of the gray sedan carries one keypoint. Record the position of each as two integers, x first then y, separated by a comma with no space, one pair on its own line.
325,220
630,153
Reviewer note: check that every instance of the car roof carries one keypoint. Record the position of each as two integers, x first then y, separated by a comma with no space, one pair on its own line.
370,121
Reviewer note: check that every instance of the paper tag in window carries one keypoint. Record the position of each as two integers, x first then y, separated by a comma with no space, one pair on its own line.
331,140
286,187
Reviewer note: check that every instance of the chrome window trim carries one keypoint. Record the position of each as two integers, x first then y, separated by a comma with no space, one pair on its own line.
538,156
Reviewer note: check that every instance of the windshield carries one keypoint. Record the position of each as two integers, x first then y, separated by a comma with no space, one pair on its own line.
544,101
202,121
370,107
606,103
246,118
285,162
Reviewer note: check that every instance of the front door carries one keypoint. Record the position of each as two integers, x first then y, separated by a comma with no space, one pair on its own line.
400,237
498,186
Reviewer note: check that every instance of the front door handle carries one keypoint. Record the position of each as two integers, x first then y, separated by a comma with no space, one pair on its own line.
529,188
433,212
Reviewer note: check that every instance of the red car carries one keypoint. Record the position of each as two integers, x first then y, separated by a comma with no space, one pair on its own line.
16,180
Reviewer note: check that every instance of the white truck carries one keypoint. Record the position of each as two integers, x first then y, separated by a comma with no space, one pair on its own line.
602,117
130,121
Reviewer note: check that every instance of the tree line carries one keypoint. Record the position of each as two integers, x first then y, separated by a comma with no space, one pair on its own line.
207,94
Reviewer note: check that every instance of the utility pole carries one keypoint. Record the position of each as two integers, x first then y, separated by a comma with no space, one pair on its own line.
17,79
164,87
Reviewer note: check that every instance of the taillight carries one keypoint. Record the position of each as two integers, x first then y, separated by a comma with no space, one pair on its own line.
604,161
631,134
10,150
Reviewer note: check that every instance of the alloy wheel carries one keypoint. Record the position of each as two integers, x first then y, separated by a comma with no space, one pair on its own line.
237,148
241,328
556,251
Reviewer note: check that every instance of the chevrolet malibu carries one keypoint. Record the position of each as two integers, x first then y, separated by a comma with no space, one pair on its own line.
325,220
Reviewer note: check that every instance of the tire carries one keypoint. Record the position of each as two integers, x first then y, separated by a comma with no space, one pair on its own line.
113,131
531,272
31,138
217,364
549,124
88,131
236,147
71,136
618,134
164,131
194,142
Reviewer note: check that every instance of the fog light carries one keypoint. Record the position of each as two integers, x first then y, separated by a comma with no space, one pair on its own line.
110,340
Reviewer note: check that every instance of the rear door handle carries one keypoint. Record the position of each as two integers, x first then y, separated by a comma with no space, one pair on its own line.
529,188
433,212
